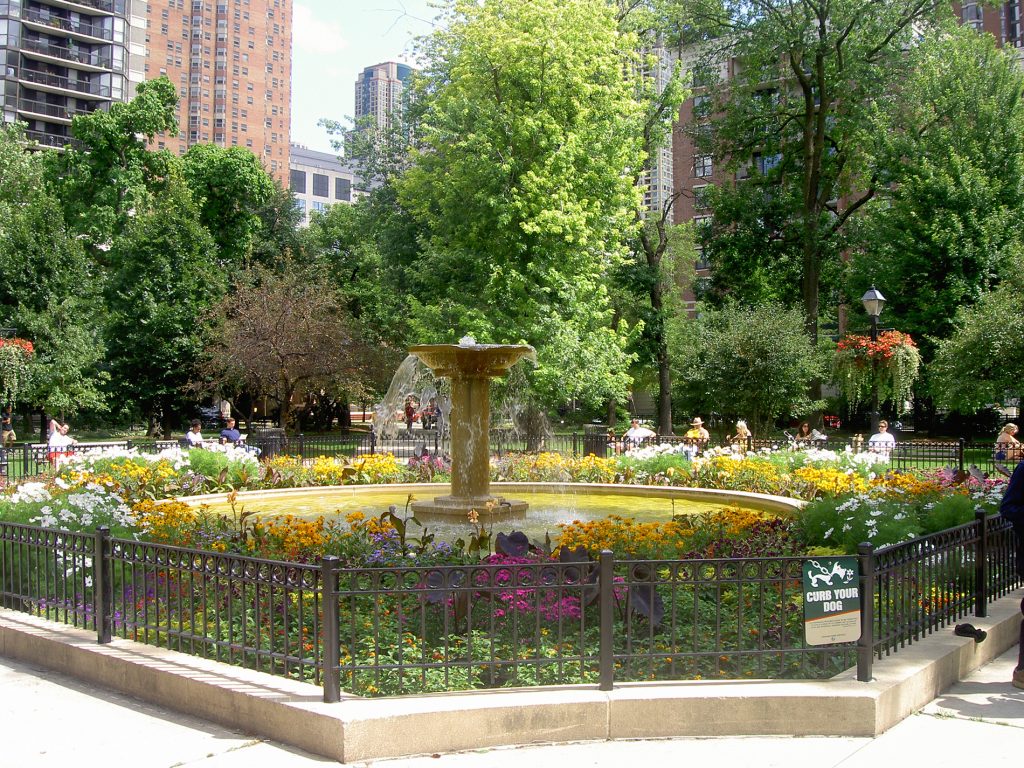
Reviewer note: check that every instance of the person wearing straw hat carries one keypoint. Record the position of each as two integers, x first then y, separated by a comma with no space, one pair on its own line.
697,431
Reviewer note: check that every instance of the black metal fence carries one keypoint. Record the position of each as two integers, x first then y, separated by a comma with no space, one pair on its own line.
384,631
29,460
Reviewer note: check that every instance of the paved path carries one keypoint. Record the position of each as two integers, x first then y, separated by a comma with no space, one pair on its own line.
51,720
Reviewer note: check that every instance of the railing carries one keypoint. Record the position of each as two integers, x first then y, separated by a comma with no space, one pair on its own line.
53,110
59,81
384,631
100,59
27,460
59,22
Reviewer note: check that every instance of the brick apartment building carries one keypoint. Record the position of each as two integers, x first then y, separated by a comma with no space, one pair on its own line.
232,63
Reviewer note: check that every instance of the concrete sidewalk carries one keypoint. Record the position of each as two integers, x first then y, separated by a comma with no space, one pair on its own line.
52,720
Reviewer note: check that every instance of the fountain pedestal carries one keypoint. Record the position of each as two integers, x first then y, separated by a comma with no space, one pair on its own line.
470,367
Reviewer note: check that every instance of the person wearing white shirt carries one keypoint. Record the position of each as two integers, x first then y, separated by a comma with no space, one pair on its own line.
194,436
882,442
636,434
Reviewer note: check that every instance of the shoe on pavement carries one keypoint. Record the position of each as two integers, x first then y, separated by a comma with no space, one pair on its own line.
1018,678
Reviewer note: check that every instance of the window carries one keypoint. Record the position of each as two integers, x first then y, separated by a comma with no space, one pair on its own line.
297,181
700,197
972,15
702,166
701,225
321,185
701,106
343,189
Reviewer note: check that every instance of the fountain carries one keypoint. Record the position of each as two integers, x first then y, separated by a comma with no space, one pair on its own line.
470,367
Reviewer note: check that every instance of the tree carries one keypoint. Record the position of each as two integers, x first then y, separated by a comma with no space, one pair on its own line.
522,182
231,188
795,119
754,362
660,93
982,362
166,276
283,335
946,226
109,172
48,287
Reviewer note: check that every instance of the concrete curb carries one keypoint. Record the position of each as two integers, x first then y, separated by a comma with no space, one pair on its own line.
359,729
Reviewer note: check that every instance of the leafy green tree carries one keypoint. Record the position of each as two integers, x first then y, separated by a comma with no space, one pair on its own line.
982,362
946,227
231,188
754,362
278,237
109,171
521,181
48,288
167,274
795,119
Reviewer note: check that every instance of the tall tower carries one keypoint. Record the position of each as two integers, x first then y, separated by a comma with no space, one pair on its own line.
232,63
379,91
60,58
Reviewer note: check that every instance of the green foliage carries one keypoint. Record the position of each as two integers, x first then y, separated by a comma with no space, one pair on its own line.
528,132
166,276
113,172
795,120
756,362
983,361
231,188
946,225
48,289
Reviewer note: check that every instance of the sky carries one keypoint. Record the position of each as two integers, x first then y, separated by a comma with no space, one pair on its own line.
332,42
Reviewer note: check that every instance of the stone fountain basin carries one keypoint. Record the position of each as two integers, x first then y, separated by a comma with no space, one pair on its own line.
536,523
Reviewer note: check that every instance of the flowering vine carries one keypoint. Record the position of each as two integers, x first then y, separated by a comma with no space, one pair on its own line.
890,365
15,355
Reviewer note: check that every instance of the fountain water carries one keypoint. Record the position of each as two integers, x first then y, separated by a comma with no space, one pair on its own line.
470,367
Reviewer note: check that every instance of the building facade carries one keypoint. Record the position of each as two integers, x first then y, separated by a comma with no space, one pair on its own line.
380,90
231,61
59,59
318,180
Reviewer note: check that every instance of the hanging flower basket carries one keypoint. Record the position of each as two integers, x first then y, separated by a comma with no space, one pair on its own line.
15,355
890,364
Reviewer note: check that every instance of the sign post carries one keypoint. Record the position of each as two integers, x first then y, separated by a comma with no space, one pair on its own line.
831,600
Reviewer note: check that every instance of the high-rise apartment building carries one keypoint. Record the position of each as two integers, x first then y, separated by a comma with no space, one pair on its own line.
232,63
380,90
60,58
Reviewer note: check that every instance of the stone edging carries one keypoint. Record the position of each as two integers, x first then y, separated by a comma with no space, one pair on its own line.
364,729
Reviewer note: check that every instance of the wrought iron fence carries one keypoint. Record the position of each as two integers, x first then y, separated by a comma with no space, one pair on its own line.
27,460
382,631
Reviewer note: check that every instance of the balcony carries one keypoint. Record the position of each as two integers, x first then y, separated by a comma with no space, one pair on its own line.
34,16
79,58
54,140
106,6
58,112
50,80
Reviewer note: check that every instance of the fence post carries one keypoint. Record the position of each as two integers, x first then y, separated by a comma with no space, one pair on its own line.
373,440
960,453
575,445
329,630
302,446
866,642
103,596
981,566
606,587
25,459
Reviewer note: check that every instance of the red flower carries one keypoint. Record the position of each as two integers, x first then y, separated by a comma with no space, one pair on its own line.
24,344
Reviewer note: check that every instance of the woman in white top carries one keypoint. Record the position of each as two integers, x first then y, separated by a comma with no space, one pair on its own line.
58,446
1008,447
194,436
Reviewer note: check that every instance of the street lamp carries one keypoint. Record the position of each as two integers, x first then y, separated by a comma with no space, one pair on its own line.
874,303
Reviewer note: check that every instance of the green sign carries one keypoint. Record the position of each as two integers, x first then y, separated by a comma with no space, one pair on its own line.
831,600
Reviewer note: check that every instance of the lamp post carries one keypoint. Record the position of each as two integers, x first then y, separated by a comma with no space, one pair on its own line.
873,302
